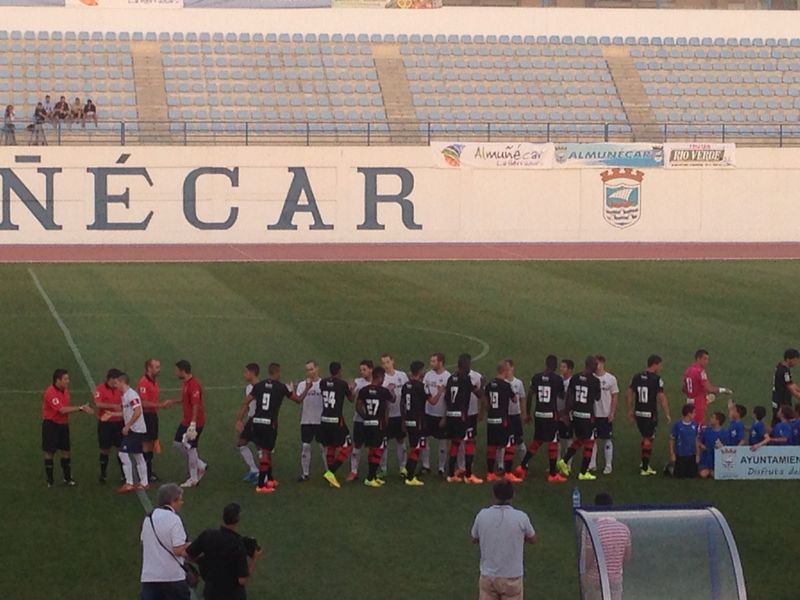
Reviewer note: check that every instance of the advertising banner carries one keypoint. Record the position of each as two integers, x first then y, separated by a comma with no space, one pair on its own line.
699,155
494,155
150,4
414,4
604,154
769,462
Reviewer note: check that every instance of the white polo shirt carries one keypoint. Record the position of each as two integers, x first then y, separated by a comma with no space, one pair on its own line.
474,402
157,563
359,382
608,386
432,381
394,383
515,407
312,403
130,402
501,531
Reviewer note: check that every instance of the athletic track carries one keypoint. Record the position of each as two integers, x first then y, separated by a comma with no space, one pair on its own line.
12,253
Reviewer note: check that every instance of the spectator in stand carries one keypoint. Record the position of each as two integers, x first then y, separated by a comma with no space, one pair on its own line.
89,112
76,112
61,111
48,107
37,128
9,127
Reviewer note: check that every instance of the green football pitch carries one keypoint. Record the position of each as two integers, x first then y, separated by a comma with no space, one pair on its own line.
394,542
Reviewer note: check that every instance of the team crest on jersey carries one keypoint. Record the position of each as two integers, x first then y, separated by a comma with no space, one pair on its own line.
622,196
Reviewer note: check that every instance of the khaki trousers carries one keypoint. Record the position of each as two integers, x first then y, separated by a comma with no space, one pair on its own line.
500,588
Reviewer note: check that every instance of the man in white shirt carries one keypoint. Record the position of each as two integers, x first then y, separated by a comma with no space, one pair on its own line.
163,544
133,430
394,381
435,382
310,417
502,531
251,373
604,412
365,378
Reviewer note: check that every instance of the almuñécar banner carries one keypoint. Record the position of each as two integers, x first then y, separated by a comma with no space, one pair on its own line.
698,154
493,155
769,462
609,154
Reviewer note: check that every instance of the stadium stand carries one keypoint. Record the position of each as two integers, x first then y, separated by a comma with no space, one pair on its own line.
308,84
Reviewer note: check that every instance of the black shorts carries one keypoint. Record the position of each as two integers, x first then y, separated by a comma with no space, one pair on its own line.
565,431
515,428
55,436
546,430
247,431
433,427
685,467
109,434
132,443
647,427
498,435
308,432
358,434
472,427
181,430
603,428
416,438
374,436
333,435
456,428
583,428
394,429
151,422
264,436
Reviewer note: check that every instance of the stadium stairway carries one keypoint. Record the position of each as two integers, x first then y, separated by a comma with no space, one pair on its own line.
631,93
398,100
151,97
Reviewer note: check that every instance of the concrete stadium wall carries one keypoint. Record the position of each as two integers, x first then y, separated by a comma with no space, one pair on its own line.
165,195
449,20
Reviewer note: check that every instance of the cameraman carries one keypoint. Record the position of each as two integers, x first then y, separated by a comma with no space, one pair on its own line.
226,559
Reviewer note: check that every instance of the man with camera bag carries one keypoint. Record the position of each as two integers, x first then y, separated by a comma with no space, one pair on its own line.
226,559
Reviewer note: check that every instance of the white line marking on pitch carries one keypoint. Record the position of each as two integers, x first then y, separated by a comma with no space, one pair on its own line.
143,498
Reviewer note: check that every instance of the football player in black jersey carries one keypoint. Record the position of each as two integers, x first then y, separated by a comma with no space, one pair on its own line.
644,394
372,405
413,399
333,434
498,395
783,388
458,390
547,390
584,391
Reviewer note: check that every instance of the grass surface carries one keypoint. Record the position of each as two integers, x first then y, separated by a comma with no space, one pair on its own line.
394,542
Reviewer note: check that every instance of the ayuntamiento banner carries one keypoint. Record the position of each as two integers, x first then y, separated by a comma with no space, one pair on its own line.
769,462
493,155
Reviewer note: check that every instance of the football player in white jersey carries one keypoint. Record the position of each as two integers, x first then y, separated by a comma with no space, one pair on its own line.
394,380
364,379
251,372
516,412
435,382
604,412
310,417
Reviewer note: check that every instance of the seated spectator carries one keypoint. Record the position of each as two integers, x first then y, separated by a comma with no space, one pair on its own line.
37,128
90,112
9,127
76,112
48,107
61,110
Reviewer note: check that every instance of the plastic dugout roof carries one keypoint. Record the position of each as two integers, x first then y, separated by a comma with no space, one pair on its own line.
675,551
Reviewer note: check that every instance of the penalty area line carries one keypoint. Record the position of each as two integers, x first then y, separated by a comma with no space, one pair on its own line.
76,352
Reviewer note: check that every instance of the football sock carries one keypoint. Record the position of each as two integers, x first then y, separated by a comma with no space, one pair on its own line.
508,461
127,467
425,456
148,459
354,456
402,454
454,449
552,453
141,468
452,467
119,462
269,471
461,460
647,452
180,447
194,464
66,467
305,459
264,467
384,460
411,468
469,456
498,457
103,465
491,458
330,456
569,454
593,461
609,453
248,458
587,455
442,454
48,469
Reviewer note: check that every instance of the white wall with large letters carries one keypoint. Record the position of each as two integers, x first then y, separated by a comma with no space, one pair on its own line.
157,195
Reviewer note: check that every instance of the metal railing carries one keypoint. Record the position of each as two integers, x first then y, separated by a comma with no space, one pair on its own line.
316,133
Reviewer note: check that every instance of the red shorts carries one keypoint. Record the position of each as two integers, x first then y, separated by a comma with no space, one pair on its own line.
700,405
